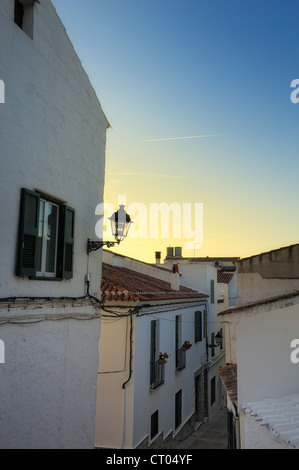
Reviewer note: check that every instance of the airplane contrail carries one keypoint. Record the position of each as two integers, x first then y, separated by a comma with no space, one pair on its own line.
187,137
140,173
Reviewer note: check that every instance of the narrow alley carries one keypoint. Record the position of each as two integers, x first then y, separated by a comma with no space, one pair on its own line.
211,435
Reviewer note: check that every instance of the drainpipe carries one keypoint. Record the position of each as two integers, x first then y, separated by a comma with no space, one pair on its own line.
131,355
128,380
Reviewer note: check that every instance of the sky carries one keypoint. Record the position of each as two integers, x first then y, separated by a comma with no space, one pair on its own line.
198,95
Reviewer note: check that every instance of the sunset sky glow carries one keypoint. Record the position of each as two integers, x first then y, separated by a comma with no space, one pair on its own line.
197,93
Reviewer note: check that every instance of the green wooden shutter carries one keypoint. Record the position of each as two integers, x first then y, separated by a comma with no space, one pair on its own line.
198,326
153,340
28,232
68,242
205,324
178,408
212,291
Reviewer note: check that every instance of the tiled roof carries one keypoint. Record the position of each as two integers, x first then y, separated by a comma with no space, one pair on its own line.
122,284
228,375
280,415
223,277
269,300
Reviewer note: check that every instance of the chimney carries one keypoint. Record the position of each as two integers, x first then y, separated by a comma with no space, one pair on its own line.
175,278
158,257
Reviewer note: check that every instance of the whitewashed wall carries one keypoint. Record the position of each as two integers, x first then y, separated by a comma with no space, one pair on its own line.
265,369
252,287
53,136
111,414
48,381
260,437
232,320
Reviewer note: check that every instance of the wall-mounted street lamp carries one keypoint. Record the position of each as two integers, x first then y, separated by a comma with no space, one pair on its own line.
120,224
218,338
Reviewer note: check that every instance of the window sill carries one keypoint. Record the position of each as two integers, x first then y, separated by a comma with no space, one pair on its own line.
45,278
151,389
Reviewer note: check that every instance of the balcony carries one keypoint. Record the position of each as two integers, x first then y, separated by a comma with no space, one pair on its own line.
157,374
180,359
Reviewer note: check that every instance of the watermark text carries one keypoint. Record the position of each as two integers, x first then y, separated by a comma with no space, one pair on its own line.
295,353
158,220
2,352
295,92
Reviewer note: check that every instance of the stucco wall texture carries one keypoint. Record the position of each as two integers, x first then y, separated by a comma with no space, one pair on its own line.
52,140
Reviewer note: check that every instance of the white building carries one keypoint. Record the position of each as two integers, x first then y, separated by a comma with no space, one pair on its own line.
52,147
141,402
261,378
214,276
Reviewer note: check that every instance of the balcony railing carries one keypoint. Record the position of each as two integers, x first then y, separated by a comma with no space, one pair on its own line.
180,359
157,374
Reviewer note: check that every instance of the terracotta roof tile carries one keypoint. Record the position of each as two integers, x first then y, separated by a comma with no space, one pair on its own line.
228,375
223,277
125,284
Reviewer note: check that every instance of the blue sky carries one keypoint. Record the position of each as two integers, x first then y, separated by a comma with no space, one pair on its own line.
182,68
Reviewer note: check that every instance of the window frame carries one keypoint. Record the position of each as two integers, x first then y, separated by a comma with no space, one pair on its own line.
45,226
28,237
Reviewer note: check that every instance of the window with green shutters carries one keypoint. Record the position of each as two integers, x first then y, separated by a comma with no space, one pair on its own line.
46,238
200,325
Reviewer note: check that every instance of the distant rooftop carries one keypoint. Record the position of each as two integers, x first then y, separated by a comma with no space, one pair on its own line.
275,251
228,375
224,277
206,259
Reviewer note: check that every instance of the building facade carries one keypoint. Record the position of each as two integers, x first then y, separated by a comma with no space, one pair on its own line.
152,384
214,276
260,377
52,147
267,274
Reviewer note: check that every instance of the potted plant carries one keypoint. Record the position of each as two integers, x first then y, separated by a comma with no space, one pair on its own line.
187,345
163,358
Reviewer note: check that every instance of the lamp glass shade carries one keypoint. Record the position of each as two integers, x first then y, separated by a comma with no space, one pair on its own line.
120,223
218,338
